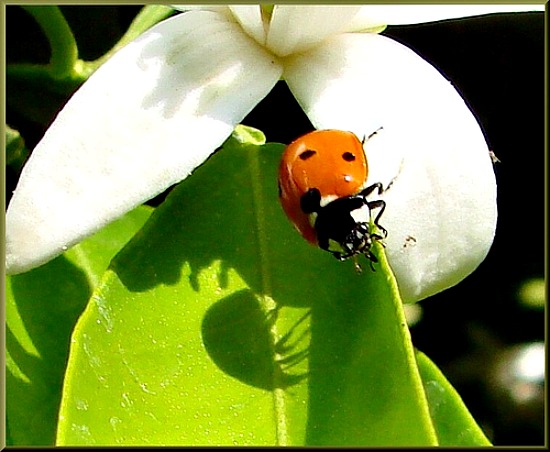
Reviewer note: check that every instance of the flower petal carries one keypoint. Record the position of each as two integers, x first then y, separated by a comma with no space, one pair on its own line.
223,9
372,15
250,18
142,122
296,28
441,206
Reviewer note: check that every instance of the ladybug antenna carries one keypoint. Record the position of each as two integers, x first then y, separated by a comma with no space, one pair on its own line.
365,139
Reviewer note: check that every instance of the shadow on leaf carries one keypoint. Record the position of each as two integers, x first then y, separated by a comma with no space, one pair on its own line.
43,306
219,215
236,335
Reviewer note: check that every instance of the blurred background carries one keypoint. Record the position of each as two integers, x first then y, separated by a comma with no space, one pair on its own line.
487,333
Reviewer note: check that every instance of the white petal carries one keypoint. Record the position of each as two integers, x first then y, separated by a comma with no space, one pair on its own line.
441,207
142,122
372,15
296,28
223,9
250,18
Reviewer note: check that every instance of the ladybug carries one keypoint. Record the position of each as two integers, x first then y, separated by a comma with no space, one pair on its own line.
323,191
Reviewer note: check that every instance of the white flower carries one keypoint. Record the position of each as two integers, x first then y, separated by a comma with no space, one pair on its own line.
161,105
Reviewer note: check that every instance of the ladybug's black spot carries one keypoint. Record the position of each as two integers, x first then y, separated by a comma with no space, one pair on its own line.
311,201
280,189
307,154
348,156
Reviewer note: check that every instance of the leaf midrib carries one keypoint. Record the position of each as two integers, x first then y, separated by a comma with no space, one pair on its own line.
265,299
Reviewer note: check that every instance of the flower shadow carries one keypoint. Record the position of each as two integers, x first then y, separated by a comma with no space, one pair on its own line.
227,212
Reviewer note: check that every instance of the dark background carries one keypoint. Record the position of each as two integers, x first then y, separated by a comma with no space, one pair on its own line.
497,63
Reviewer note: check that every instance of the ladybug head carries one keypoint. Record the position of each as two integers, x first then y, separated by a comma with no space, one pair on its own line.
310,201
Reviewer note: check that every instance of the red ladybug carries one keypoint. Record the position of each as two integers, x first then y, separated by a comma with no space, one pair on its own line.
322,188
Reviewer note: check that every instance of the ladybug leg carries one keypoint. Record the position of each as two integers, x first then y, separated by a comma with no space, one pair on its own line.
379,204
367,191
372,260
357,265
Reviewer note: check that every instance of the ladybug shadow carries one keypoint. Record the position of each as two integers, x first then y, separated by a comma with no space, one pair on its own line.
220,228
223,227
236,334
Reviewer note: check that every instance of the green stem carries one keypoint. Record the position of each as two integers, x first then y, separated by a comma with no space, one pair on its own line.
64,50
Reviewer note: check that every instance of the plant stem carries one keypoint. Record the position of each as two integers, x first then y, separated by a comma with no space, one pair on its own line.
64,50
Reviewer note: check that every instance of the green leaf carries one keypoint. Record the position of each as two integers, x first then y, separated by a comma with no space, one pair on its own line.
219,325
16,151
42,307
369,371
454,424
94,254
